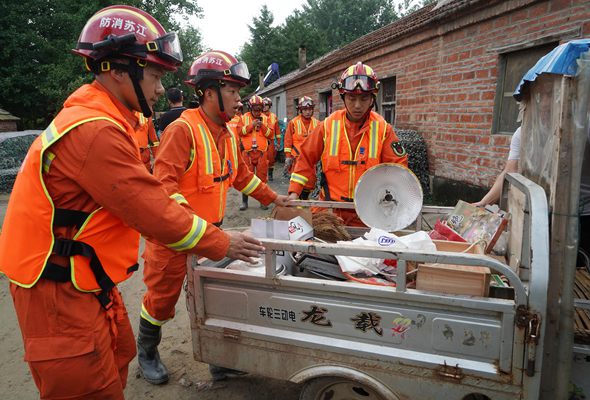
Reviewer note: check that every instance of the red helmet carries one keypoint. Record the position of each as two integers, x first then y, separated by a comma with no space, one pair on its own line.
267,101
256,101
358,78
128,31
218,65
305,102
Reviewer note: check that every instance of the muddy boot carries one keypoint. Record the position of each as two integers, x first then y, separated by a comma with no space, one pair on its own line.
270,177
244,202
152,369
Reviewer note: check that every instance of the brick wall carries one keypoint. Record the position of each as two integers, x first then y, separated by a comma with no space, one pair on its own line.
446,79
7,126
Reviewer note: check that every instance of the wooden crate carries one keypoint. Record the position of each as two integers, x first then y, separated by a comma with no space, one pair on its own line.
454,279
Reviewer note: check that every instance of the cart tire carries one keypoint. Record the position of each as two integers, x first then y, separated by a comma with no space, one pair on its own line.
336,388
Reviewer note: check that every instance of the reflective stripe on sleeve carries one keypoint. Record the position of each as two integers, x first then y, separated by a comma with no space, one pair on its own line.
47,159
179,198
287,149
191,239
251,186
302,180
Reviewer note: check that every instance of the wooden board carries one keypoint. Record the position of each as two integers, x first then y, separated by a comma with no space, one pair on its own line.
454,279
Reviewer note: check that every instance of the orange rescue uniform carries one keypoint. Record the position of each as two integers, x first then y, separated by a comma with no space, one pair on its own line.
255,143
332,142
147,140
297,132
92,166
270,119
200,160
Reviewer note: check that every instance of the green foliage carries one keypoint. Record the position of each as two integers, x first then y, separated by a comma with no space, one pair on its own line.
262,48
405,7
321,26
37,69
343,21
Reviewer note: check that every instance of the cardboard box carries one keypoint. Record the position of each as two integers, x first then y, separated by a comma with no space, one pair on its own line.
454,279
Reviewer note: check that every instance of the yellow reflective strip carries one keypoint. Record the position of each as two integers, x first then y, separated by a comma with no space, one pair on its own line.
287,149
49,135
47,159
251,186
335,138
191,239
298,178
192,152
146,315
155,144
373,140
208,155
179,198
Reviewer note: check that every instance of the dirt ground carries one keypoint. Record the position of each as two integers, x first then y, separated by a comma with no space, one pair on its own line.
187,377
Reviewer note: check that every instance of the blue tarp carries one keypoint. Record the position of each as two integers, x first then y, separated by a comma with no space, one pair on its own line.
561,60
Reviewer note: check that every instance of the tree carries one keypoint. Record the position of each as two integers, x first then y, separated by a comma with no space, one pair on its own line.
405,7
321,26
343,21
297,31
262,48
37,70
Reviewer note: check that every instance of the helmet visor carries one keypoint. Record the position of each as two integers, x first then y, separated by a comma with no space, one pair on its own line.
365,83
240,71
307,103
169,48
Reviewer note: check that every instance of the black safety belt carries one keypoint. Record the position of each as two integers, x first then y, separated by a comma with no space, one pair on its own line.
70,247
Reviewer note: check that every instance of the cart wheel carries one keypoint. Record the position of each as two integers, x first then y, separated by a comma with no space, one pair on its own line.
335,388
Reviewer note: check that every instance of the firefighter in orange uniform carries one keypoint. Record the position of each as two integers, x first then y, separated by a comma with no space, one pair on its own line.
348,142
79,203
147,140
271,120
199,158
236,122
255,138
297,132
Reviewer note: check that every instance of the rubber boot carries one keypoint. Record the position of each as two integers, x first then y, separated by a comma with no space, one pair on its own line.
244,202
270,177
152,369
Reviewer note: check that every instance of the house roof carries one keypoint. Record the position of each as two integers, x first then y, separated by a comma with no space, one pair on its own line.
6,116
562,61
380,37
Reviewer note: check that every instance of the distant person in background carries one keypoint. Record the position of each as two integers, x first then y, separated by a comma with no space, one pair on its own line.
271,120
297,132
495,192
255,139
175,99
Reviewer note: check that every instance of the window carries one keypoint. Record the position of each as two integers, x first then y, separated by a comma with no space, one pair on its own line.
512,67
325,105
386,100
